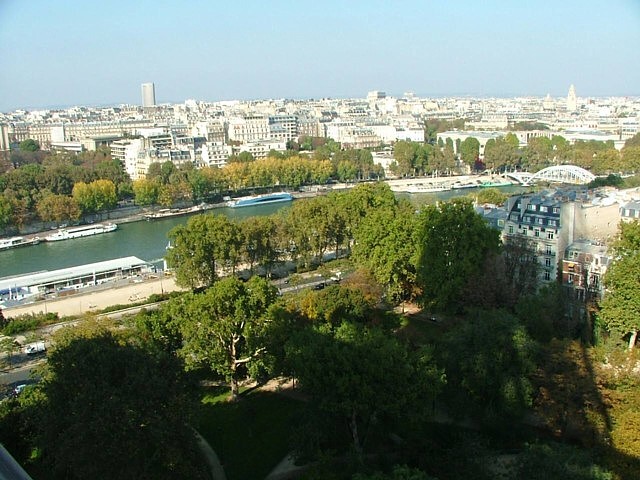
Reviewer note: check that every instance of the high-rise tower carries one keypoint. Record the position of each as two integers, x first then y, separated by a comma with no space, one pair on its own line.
572,100
148,95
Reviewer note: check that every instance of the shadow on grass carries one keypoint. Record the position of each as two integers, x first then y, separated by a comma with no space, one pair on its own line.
251,435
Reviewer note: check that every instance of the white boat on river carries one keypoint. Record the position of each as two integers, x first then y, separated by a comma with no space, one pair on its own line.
13,242
78,232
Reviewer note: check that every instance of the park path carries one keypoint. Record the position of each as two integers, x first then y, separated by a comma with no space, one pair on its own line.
215,467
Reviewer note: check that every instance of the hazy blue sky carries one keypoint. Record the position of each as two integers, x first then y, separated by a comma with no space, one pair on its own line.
90,52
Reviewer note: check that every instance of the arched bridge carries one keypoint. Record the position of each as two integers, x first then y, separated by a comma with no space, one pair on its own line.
557,174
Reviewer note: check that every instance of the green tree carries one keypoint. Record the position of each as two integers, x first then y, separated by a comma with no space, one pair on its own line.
105,195
488,360
502,152
405,155
633,141
58,208
58,178
97,196
115,411
145,191
385,243
489,195
538,154
6,211
631,158
223,328
8,345
336,304
112,169
203,248
260,242
355,374
83,195
29,145
469,150
453,244
620,309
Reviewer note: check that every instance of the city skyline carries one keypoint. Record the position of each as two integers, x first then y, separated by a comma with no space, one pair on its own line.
67,53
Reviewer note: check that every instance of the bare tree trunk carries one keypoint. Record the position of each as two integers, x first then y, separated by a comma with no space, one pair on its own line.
235,389
632,340
353,426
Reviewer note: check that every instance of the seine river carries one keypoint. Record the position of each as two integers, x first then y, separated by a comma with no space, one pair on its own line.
145,240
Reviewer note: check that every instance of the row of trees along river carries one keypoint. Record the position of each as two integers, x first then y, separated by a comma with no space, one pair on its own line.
145,240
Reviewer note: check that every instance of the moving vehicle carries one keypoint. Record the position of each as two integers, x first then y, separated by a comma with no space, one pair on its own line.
254,200
78,232
34,348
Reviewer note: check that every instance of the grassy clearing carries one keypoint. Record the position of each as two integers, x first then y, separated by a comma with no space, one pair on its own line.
251,435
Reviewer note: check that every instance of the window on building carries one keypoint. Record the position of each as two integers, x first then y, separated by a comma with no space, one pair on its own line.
556,209
570,278
537,232
547,262
510,228
541,221
547,275
550,235
548,251
543,208
531,207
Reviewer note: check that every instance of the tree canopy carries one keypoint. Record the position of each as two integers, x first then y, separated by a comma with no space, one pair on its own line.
114,410
361,376
202,249
222,328
453,244
620,309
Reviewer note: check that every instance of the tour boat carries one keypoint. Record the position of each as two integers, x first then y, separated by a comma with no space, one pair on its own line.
78,232
13,242
254,200
174,212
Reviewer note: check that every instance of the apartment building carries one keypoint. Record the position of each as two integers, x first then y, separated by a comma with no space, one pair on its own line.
283,127
249,128
554,220
583,266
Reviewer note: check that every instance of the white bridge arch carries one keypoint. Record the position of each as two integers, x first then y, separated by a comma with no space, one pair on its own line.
557,173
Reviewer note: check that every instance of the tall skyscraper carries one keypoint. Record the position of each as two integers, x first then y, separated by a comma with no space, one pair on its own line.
572,100
148,95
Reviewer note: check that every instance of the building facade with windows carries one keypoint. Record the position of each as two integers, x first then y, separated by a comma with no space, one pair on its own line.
547,223
554,220
584,264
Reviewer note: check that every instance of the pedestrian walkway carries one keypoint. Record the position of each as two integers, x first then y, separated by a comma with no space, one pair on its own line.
215,467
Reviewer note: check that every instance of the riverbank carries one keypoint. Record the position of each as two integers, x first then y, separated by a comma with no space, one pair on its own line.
94,299
133,213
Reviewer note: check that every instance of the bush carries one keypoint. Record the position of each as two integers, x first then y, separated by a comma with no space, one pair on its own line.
29,321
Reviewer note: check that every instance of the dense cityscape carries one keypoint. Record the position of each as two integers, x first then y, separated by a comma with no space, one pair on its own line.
207,134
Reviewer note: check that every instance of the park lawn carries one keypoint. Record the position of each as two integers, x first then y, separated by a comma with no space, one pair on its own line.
251,435
420,330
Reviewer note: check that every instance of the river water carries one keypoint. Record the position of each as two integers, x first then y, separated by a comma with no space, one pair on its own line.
145,240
